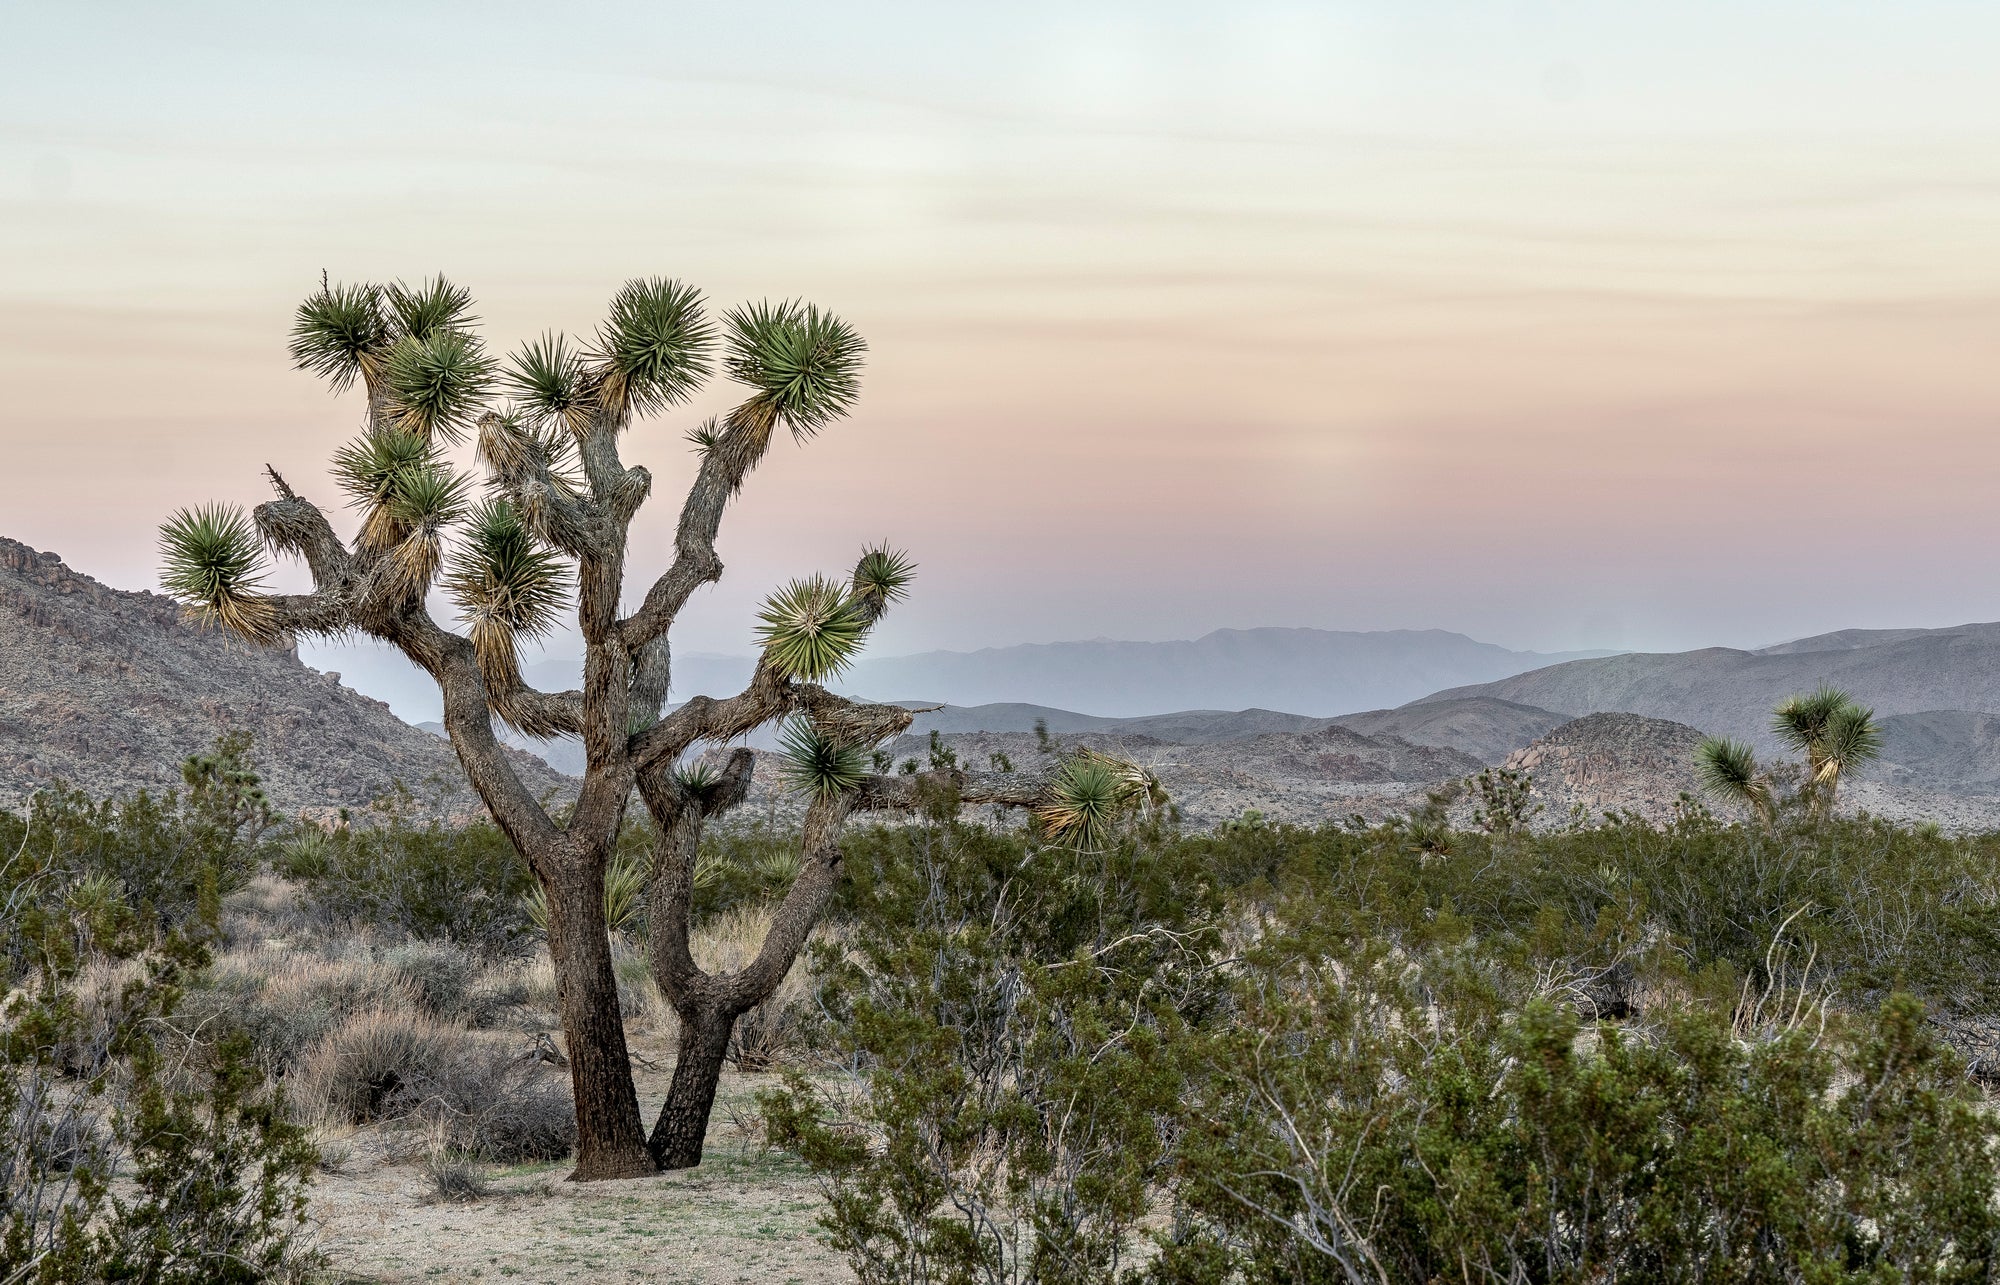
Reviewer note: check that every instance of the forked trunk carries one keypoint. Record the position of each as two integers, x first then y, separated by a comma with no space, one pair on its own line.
683,1124
610,1136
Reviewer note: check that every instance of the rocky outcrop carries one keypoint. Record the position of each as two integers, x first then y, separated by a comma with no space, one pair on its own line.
1603,762
109,690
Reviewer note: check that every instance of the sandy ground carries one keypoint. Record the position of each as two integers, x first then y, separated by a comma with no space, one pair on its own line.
746,1214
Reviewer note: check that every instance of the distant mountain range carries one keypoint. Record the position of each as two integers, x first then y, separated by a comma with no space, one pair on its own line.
1729,692
108,690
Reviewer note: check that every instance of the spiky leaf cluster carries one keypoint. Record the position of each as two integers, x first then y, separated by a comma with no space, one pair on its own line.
337,331
548,383
215,562
1728,769
423,502
883,576
427,309
1085,799
818,765
375,469
1833,732
655,344
811,629
1800,721
437,383
805,364
1850,739
697,778
505,582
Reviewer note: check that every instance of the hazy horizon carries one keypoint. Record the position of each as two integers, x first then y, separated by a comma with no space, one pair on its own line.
1561,328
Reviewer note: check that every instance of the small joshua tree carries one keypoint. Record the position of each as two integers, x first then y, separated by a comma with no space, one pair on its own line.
1835,735
553,524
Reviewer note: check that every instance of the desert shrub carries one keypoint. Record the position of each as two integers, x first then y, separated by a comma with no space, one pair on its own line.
285,1003
454,1178
1003,1010
1876,908
1354,1125
408,874
475,1095
441,975
212,1172
169,858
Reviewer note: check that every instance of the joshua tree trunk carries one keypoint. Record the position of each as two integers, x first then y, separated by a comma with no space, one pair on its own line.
610,1137
681,1130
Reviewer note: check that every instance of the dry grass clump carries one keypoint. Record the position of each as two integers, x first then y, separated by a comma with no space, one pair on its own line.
286,1003
454,1177
477,1096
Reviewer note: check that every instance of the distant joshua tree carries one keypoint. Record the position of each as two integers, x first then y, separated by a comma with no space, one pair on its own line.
1826,726
553,521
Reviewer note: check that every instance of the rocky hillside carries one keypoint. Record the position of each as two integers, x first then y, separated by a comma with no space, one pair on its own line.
1606,761
1487,729
110,690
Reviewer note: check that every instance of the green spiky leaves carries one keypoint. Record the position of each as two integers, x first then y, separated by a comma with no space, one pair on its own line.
214,563
337,331
811,629
1833,732
1086,798
428,309
805,364
1800,721
418,336
374,469
883,576
506,584
437,383
547,381
697,777
1728,769
816,764
655,344
1850,739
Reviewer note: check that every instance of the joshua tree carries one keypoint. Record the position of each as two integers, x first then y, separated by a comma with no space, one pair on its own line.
1833,733
554,519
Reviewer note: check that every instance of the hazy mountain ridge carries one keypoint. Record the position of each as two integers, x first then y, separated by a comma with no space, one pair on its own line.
109,690
1731,692
1314,672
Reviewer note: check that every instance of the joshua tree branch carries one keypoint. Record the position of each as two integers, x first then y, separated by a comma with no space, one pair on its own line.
724,465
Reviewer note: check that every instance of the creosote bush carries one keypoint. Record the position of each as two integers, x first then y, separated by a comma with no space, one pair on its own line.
1408,1052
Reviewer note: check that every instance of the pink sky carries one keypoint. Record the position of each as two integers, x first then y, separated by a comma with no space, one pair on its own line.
1653,331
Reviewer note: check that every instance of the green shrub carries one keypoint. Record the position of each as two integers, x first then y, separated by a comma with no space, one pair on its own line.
413,877
1010,1006
214,1174
170,858
1350,1129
